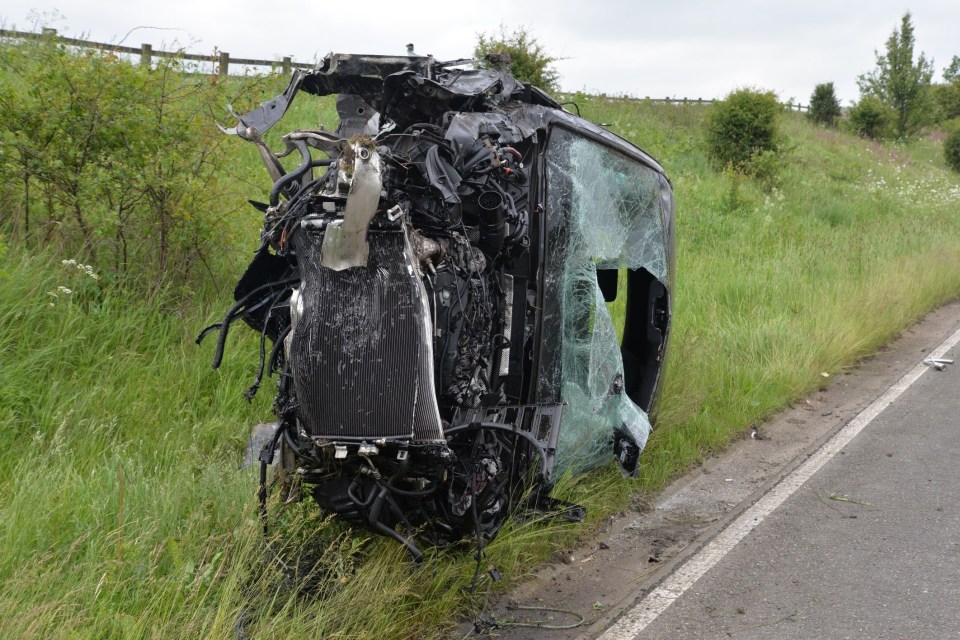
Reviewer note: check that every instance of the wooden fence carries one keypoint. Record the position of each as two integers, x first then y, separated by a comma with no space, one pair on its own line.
686,101
679,101
221,61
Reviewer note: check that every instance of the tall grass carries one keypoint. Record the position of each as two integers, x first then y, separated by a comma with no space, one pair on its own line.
123,513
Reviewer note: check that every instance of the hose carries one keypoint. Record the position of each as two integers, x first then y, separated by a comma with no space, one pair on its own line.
232,314
294,175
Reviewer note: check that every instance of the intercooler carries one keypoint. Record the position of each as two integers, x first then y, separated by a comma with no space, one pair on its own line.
361,347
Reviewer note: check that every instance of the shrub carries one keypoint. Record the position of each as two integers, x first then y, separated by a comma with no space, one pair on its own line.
951,125
529,61
115,164
871,118
766,166
951,150
947,97
742,126
824,106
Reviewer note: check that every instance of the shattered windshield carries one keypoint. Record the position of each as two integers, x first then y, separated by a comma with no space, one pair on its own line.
604,212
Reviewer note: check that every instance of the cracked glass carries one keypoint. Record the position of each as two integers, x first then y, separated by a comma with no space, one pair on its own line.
604,211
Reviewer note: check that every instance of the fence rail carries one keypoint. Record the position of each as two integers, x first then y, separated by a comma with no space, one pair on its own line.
222,61
682,101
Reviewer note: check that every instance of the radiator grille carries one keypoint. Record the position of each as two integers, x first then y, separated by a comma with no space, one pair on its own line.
361,353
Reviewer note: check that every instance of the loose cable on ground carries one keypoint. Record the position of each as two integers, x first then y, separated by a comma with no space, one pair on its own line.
489,624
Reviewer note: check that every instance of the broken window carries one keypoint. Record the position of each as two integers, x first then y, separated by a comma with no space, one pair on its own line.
605,213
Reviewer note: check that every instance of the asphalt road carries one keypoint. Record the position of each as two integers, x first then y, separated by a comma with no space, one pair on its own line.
868,547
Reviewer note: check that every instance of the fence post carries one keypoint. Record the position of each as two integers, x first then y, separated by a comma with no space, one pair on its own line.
224,64
49,31
146,54
285,65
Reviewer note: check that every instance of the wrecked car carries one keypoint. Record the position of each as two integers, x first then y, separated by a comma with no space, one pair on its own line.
431,288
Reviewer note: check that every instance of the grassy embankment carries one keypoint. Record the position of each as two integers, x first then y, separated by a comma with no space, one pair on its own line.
123,514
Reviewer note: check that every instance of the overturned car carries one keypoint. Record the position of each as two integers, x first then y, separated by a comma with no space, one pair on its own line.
433,278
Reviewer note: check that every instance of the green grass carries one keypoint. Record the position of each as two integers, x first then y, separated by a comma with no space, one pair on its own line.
103,395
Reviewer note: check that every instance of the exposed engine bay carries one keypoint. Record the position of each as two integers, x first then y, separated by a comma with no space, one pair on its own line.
431,288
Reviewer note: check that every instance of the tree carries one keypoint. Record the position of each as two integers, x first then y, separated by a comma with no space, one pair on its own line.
900,82
824,106
528,60
952,72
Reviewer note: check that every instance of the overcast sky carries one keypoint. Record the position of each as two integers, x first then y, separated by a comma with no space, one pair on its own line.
678,48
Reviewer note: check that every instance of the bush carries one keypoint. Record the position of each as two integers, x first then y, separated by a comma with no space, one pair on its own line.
947,97
871,118
114,164
743,126
529,61
951,150
824,106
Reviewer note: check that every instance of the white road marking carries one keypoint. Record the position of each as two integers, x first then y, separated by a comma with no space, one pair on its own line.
656,602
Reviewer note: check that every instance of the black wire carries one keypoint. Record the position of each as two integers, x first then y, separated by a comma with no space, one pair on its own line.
277,346
252,391
424,493
475,514
297,202
232,315
265,455
575,106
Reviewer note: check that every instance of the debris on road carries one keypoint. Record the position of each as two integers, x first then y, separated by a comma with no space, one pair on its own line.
938,363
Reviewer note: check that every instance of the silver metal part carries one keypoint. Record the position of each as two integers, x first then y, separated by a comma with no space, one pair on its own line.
313,222
340,452
326,142
507,323
345,244
367,450
429,252
296,310
937,363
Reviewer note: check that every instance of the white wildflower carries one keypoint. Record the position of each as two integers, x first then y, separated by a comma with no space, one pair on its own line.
85,268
